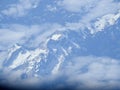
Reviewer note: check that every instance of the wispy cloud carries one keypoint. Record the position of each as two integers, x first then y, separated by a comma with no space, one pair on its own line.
91,9
21,8
28,34
104,7
51,8
9,36
77,5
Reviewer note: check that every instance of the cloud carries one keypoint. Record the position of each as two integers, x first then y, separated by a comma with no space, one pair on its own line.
77,5
15,33
29,35
90,9
93,72
51,8
9,36
21,8
79,73
3,55
104,7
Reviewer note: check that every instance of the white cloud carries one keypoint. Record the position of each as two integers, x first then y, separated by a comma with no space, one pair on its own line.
21,8
15,33
9,36
51,8
91,9
3,55
81,72
32,34
77,5
102,7
93,72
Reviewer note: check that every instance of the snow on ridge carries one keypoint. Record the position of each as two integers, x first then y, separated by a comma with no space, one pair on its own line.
20,60
56,68
104,21
29,56
56,36
34,58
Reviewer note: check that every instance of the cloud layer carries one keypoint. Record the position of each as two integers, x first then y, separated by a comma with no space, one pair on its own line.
79,73
93,72
32,34
77,5
21,8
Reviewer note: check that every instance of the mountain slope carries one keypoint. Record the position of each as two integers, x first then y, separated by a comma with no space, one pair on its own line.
63,45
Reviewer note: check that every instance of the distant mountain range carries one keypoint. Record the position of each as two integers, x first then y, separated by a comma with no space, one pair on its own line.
101,38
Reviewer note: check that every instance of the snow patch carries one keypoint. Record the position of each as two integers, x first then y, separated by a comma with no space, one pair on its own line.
20,60
56,36
106,20
55,50
65,52
31,57
76,45
56,68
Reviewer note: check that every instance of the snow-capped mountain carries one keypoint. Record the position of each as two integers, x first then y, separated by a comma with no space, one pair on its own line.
62,45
